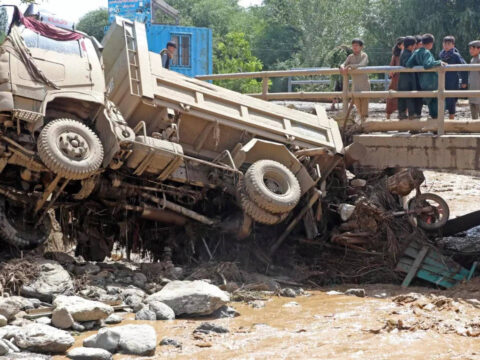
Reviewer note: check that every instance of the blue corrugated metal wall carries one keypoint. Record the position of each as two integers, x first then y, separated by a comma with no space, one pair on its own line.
200,47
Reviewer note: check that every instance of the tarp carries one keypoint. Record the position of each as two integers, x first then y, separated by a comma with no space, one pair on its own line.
44,29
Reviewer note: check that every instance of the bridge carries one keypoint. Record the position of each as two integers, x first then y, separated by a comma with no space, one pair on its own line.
426,143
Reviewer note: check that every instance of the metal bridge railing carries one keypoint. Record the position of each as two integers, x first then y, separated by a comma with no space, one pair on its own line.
441,94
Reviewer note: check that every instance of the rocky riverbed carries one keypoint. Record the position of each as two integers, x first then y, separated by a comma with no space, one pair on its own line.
58,306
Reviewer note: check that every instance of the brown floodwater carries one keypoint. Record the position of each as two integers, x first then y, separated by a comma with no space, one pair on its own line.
321,326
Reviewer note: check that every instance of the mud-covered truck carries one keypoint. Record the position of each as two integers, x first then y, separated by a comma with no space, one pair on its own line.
114,144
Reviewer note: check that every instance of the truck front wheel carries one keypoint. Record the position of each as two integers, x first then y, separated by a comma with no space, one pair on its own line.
70,149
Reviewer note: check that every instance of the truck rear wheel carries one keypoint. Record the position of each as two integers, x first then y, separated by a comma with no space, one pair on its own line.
70,149
272,186
260,215
19,230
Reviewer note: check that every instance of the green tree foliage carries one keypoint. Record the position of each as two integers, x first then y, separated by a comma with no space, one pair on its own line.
285,34
93,23
233,54
387,20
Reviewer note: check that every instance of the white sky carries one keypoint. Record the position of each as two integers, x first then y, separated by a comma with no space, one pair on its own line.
75,9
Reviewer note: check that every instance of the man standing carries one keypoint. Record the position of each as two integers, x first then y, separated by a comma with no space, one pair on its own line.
474,78
167,54
428,80
360,81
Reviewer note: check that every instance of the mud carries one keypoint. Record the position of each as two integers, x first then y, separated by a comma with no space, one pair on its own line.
326,326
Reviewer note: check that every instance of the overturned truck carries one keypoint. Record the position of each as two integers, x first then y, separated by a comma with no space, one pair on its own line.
114,145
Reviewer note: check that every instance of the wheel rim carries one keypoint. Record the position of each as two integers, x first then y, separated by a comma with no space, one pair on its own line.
275,183
429,211
73,145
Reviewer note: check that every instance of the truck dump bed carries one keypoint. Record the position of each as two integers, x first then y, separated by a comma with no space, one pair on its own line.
213,119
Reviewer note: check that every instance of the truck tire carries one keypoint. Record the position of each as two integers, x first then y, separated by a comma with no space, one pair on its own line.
258,214
14,230
70,149
272,186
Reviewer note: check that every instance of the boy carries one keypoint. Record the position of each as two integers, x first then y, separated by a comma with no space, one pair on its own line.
428,81
168,54
407,81
418,101
451,55
360,82
474,78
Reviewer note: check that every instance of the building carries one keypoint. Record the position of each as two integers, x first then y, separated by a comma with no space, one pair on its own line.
194,45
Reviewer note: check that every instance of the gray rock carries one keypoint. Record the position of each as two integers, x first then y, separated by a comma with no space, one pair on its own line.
83,353
191,297
356,292
53,280
11,306
287,292
139,280
3,321
126,292
61,318
171,342
82,309
43,338
162,311
78,327
135,302
89,325
12,347
128,339
257,304
207,328
90,341
105,339
86,269
44,320
114,319
4,348
146,314
27,356
225,312
291,304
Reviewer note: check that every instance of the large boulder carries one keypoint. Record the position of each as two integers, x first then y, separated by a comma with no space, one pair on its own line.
191,297
10,306
128,339
82,309
42,338
62,319
52,280
83,353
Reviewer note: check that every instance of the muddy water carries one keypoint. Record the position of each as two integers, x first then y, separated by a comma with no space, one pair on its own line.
320,327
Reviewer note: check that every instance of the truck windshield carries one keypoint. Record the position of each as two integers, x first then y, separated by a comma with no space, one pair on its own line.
34,40
6,16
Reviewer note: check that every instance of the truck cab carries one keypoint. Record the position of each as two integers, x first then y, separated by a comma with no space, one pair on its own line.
46,71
